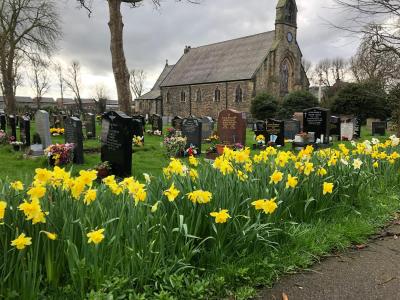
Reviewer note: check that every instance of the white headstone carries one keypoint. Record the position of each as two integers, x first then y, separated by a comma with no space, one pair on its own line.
347,130
43,127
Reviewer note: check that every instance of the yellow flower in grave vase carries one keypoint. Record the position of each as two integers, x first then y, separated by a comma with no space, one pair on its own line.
95,236
220,217
17,185
21,241
291,182
276,177
171,193
193,161
327,188
3,206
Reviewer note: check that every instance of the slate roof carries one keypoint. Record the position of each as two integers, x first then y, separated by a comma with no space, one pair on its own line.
155,92
231,60
19,99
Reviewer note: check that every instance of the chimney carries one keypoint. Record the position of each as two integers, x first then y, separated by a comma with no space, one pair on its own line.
187,49
166,63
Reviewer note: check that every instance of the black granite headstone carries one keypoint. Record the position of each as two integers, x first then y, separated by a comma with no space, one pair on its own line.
192,130
3,122
379,128
177,123
275,128
25,130
292,127
156,123
90,125
317,120
141,118
260,128
137,127
73,134
357,127
12,126
116,142
335,127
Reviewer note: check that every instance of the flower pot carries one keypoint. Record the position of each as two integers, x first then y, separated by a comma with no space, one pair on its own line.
211,155
220,148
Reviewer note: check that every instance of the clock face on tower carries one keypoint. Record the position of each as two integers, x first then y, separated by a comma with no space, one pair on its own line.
290,37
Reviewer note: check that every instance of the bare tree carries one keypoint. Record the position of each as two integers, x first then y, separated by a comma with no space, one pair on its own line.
102,97
322,72
39,78
307,66
73,82
60,78
376,20
120,69
339,68
138,77
370,65
26,27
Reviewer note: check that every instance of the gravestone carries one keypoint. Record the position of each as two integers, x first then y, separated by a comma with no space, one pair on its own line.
379,128
57,122
137,128
90,125
192,130
292,127
369,123
17,121
232,127
73,134
347,129
317,120
260,128
25,130
156,123
275,132
43,127
116,142
335,127
3,122
207,130
357,127
299,117
177,123
12,126
141,118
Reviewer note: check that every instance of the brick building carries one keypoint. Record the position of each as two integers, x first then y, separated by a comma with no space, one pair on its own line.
229,74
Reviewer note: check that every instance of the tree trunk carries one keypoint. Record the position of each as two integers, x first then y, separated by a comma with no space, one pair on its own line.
120,69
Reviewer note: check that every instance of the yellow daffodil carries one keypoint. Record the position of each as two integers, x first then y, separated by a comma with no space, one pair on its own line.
357,164
220,217
147,178
193,174
50,236
21,241
90,196
242,176
322,172
3,206
95,236
193,161
37,192
200,196
291,182
172,193
375,165
77,188
268,206
327,188
42,175
87,177
276,177
308,168
17,185
33,211
154,208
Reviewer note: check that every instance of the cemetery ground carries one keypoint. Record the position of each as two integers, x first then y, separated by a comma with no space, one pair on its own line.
250,248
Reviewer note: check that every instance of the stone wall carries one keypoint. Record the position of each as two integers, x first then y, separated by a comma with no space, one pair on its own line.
206,104
149,107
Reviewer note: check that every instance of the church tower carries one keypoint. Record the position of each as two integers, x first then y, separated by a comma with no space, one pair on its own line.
286,21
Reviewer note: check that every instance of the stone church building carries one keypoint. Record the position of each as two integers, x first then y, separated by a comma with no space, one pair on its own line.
229,74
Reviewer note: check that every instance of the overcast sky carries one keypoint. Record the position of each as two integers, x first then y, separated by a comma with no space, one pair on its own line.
153,35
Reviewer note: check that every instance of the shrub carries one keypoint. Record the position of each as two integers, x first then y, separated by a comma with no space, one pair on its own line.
366,100
264,106
297,101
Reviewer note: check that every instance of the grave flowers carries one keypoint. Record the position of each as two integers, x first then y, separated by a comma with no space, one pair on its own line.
57,131
103,170
174,144
211,152
137,141
260,142
3,137
60,154
16,145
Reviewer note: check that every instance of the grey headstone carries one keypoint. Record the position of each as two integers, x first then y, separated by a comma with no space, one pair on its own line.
43,127
207,127
90,125
73,134
292,127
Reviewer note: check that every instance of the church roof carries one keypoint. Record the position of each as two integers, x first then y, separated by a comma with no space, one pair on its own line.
155,91
231,60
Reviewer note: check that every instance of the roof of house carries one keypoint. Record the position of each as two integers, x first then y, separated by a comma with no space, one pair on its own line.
237,59
46,100
112,102
156,91
19,99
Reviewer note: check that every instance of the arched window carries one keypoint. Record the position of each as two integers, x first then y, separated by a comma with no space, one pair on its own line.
217,95
290,12
168,97
183,96
284,77
239,94
198,95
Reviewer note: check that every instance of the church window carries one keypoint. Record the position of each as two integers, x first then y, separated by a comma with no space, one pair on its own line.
217,95
168,97
284,77
198,95
239,94
183,96
290,12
